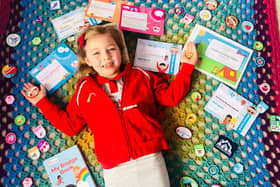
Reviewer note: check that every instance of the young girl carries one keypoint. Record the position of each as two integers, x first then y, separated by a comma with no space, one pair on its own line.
119,104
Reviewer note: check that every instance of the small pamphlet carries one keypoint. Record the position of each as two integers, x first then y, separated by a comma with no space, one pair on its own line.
56,68
142,19
71,23
158,56
107,10
274,123
220,57
233,109
68,168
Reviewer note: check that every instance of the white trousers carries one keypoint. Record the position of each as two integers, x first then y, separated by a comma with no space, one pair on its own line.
147,171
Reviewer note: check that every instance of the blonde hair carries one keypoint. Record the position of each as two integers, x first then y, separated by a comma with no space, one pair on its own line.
91,32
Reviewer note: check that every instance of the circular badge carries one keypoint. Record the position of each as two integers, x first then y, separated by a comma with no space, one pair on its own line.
231,21
258,45
196,96
211,4
33,91
33,153
178,10
260,61
19,120
43,146
11,138
264,87
247,26
205,15
213,170
36,41
238,168
13,40
9,99
27,182
188,181
184,132
9,71
191,118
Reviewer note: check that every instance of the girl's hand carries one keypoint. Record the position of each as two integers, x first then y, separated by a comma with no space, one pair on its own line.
34,100
189,54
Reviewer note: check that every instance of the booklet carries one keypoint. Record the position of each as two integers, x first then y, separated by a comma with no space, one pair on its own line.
56,68
220,57
68,168
233,109
71,23
142,20
158,56
107,10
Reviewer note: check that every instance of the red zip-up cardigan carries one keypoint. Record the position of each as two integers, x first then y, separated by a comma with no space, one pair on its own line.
131,132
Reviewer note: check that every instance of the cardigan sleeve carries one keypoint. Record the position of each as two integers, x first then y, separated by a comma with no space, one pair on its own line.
69,122
171,94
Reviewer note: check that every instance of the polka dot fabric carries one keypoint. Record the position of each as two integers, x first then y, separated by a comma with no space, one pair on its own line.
258,151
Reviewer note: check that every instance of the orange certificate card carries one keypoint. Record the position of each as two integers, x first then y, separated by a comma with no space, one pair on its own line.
107,10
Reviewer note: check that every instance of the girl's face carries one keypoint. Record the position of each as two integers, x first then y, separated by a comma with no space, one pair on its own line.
103,55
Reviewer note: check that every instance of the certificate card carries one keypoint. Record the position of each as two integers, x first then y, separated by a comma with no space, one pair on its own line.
220,57
158,56
143,20
107,10
71,23
233,109
56,68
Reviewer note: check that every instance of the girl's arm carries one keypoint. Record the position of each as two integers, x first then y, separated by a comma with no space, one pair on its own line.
172,94
69,122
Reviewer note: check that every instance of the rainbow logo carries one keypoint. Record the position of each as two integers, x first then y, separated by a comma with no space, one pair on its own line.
83,174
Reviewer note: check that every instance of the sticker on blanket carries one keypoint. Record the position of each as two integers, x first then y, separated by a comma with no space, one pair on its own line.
191,118
264,87
199,150
27,182
9,71
39,131
33,153
226,146
184,132
238,168
205,15
211,4
43,146
10,99
188,181
213,170
231,21
11,138
274,123
260,61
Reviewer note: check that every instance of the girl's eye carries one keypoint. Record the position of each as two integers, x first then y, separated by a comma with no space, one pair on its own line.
112,49
95,53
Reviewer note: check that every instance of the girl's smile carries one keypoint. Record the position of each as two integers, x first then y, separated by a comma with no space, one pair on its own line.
103,55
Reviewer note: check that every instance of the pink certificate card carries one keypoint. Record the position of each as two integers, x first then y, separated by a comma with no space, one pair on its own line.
141,19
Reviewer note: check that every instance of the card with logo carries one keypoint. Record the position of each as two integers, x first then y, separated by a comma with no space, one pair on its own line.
142,20
233,109
71,23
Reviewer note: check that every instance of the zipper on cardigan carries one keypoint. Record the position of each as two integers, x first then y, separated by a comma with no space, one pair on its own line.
123,123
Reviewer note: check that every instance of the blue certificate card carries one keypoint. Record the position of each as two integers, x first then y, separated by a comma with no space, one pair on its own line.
233,109
56,68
